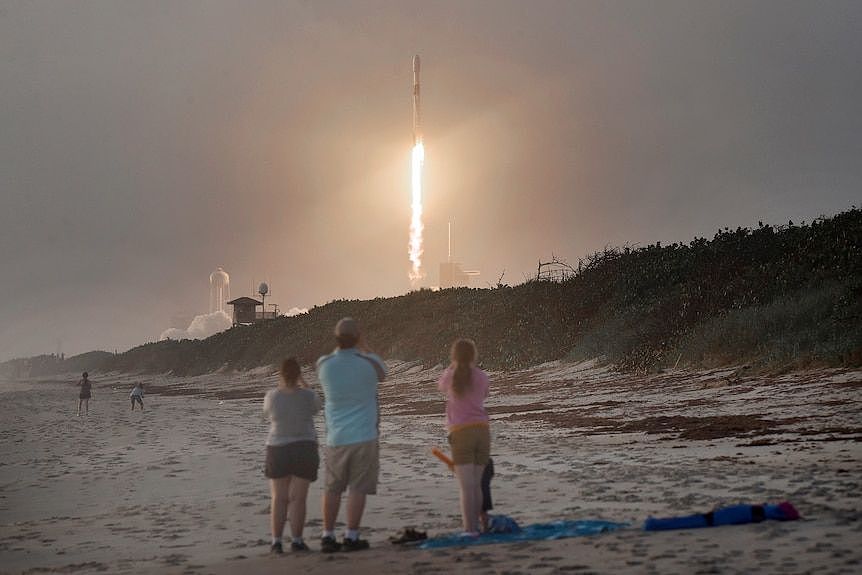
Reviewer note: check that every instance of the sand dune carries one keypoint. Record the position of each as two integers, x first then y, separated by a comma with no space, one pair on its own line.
179,488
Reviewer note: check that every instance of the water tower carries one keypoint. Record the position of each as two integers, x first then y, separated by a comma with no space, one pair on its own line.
219,290
262,290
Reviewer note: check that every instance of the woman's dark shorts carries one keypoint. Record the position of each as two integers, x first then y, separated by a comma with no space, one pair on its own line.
83,396
299,458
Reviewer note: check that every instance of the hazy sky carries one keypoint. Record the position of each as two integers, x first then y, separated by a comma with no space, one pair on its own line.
142,144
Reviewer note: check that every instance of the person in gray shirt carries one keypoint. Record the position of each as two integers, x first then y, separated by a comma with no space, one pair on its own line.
291,452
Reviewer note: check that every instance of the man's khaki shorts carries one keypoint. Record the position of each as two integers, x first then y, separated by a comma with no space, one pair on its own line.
471,444
356,466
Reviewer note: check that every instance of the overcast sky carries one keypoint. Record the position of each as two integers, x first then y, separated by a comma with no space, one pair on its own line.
142,144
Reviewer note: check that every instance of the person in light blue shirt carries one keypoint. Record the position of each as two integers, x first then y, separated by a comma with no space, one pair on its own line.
349,378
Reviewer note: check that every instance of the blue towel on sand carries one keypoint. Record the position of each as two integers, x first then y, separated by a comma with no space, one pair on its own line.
535,532
731,515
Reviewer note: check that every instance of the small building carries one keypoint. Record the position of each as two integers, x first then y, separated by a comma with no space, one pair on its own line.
245,310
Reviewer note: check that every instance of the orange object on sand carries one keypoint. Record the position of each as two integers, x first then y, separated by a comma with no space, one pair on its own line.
444,458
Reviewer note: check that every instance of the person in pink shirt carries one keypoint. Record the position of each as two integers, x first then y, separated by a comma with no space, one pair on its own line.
466,387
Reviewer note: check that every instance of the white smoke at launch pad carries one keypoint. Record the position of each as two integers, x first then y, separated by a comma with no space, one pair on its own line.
201,327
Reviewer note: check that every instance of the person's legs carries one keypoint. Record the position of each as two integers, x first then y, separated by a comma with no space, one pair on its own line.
141,401
133,403
280,490
470,446
331,503
477,496
296,506
355,508
484,521
364,471
336,467
483,471
87,406
467,486
80,402
487,500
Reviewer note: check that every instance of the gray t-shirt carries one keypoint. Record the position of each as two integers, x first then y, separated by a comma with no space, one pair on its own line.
291,415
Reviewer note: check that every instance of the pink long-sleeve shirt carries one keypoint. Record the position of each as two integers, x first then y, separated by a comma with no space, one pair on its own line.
468,409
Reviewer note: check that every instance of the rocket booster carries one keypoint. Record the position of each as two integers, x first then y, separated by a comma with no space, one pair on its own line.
417,123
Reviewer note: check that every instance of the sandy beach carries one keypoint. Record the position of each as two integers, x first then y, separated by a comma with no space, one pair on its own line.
179,487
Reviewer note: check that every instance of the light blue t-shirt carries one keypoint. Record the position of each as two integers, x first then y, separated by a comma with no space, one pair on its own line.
349,381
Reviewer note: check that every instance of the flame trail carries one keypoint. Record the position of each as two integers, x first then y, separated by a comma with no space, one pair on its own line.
416,227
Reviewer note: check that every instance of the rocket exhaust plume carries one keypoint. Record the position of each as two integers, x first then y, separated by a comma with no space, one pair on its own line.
417,161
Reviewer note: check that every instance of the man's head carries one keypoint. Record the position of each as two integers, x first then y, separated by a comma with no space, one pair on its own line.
347,333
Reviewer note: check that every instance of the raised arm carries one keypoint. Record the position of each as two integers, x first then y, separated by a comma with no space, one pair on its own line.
377,364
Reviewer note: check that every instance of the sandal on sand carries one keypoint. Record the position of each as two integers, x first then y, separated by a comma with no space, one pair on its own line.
408,535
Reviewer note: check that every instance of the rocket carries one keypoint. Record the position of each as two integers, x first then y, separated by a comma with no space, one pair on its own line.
417,123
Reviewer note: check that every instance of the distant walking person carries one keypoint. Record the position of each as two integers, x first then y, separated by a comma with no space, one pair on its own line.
466,387
291,452
137,395
85,394
349,378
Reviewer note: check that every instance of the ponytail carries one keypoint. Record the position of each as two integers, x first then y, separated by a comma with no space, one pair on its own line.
463,355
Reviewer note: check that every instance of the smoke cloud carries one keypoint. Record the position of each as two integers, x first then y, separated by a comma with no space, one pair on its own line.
201,327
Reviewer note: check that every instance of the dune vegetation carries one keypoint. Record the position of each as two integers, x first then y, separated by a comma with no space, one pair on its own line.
772,297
